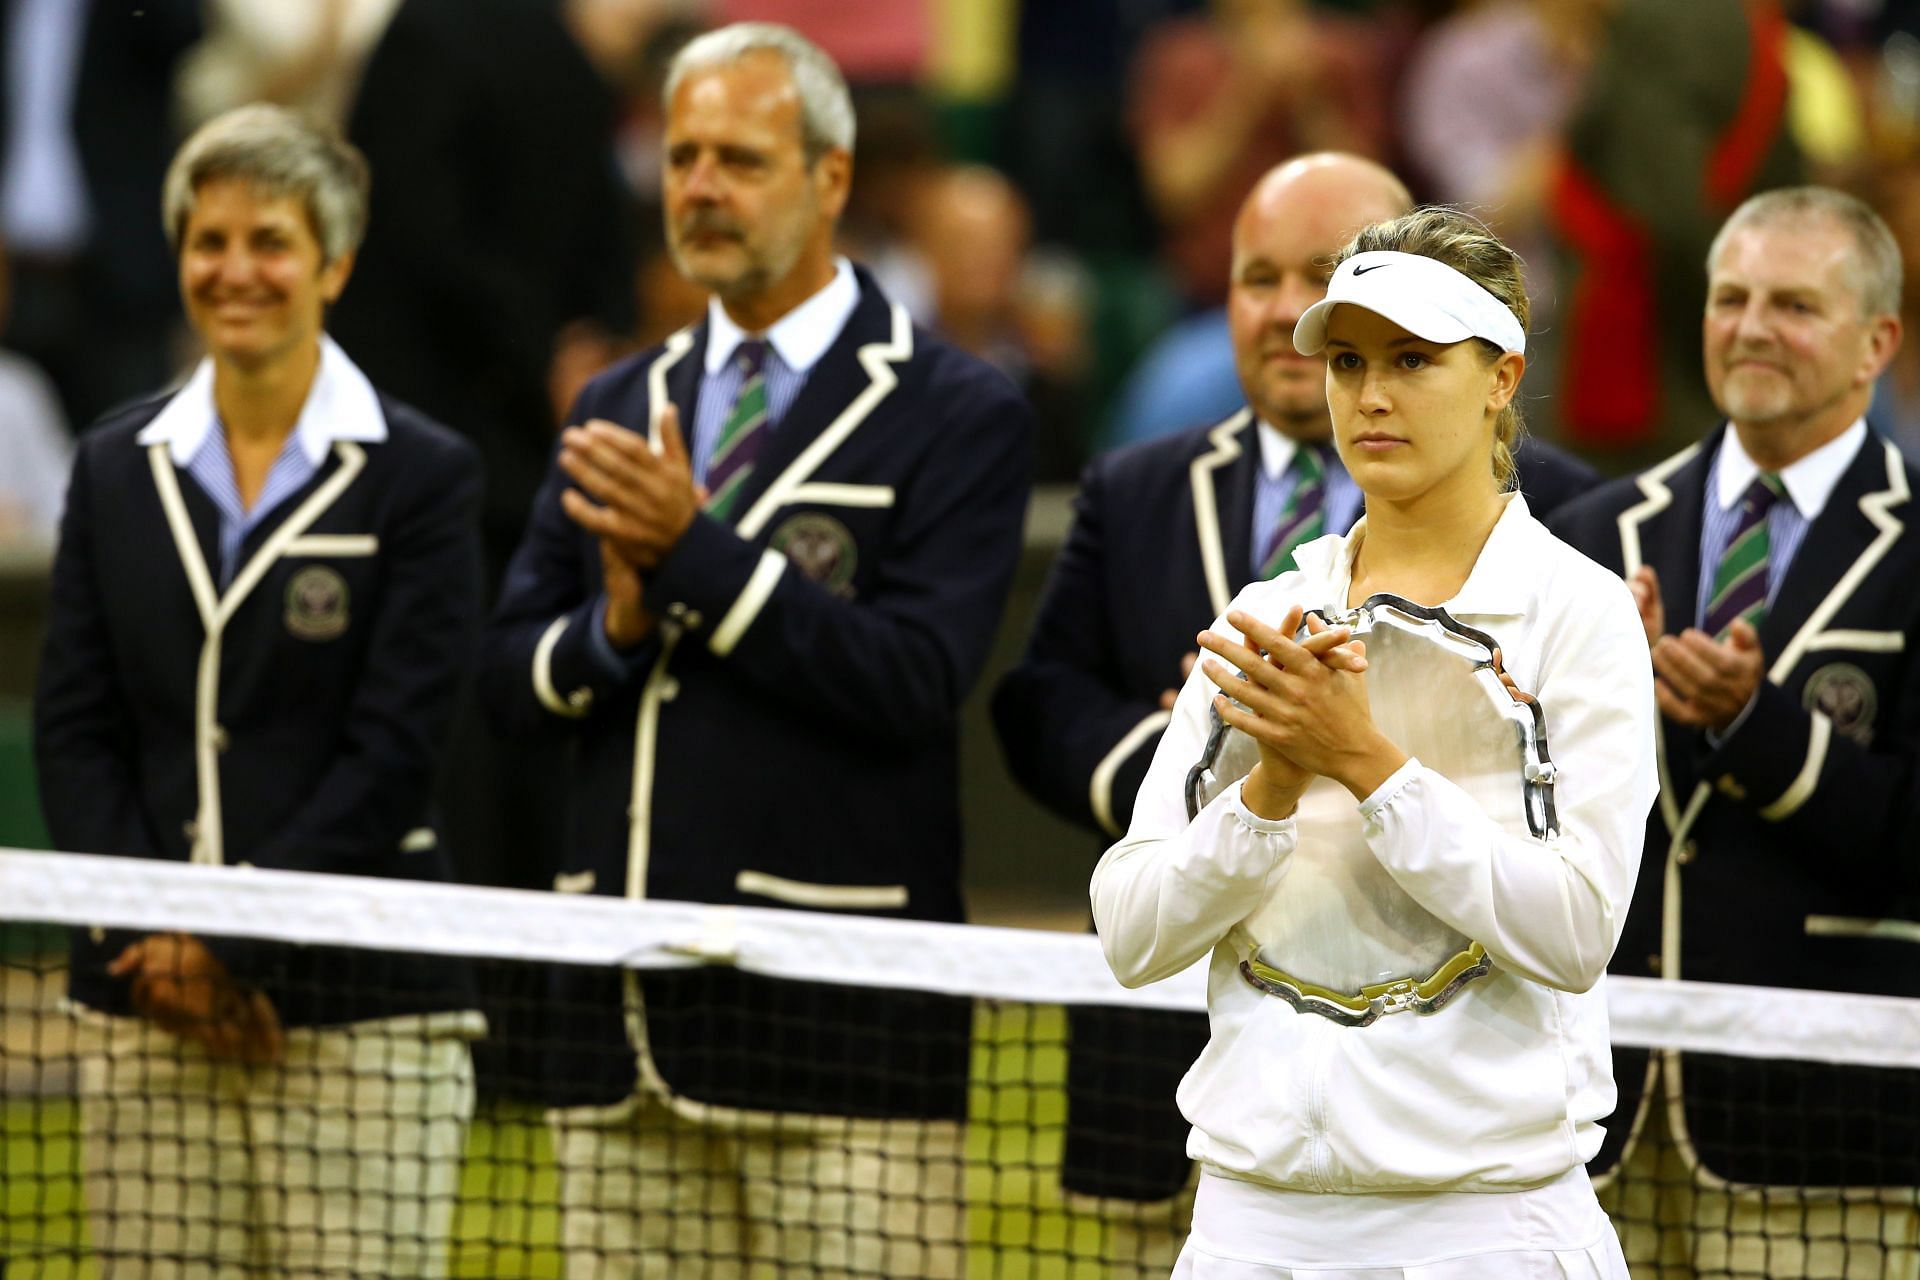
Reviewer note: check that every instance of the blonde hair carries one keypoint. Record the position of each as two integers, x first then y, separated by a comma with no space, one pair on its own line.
1463,242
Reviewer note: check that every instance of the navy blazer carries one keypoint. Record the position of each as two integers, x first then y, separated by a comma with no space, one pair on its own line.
1161,541
788,736
341,646
1791,844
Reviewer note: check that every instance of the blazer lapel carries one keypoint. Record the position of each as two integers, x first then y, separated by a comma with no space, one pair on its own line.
349,459
194,523
1225,444
1234,486
1663,530
1853,531
205,519
858,372
674,378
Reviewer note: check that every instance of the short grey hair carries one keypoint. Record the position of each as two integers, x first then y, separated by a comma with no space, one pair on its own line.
276,152
826,108
1874,266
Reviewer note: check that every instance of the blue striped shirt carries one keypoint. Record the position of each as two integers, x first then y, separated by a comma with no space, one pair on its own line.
211,467
1273,485
1809,483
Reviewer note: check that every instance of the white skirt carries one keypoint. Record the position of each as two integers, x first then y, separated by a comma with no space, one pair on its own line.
1247,1231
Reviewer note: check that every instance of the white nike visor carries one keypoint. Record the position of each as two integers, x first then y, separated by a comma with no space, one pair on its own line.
1426,297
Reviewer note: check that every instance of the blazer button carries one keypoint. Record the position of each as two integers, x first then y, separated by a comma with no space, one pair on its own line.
1655,962
693,619
669,689
677,610
220,739
1688,852
1729,786
190,829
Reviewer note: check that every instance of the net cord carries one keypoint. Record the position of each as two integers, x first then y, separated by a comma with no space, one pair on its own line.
979,961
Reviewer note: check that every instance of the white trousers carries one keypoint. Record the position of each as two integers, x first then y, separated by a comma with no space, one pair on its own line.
657,1195
343,1160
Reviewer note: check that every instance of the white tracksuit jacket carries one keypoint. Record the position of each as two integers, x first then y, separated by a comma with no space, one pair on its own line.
1503,1087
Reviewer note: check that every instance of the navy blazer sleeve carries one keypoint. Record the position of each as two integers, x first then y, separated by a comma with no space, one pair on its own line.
1063,709
895,665
1855,806
421,652
539,669
82,749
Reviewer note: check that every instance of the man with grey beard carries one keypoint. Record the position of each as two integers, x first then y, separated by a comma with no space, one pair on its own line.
764,572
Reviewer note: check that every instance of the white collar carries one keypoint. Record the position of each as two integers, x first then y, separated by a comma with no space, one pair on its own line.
341,405
1501,582
802,335
1277,449
1809,482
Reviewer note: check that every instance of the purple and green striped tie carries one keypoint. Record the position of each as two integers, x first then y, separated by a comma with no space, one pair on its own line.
1742,580
1304,517
740,434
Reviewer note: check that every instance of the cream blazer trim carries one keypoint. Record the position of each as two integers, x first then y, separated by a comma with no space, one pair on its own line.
216,609
1206,507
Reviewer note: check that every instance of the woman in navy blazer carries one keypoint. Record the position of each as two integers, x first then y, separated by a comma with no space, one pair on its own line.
264,601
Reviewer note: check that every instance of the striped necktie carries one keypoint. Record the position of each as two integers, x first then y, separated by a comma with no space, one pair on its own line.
1304,517
1741,582
741,433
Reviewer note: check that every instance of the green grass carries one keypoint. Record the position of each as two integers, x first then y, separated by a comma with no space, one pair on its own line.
507,1224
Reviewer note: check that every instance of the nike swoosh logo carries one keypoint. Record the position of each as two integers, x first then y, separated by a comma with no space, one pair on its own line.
1360,271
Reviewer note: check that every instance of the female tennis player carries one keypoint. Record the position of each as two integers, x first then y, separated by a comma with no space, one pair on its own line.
1443,1138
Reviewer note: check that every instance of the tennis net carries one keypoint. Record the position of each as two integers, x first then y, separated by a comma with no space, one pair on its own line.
821,1095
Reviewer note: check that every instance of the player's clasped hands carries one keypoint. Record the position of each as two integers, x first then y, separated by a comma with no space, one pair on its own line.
1304,702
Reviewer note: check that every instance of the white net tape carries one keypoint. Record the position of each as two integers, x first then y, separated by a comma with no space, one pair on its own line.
1018,965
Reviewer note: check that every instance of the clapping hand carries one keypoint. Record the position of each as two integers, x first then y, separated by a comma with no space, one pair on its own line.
636,499
1698,681
1706,683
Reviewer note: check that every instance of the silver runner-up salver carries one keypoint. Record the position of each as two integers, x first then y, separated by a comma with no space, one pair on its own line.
1340,938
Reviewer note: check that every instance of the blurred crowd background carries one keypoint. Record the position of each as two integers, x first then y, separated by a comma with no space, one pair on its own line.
1051,183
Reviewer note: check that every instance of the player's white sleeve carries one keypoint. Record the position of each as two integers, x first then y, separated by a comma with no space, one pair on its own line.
1171,889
